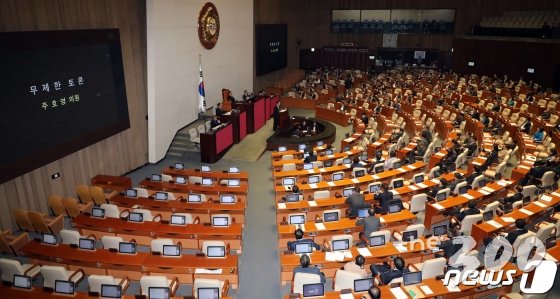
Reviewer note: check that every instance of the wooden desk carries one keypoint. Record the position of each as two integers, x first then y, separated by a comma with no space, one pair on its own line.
109,182
190,188
277,164
191,235
216,175
339,118
214,145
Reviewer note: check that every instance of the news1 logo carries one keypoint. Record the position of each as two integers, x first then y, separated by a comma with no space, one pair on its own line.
529,257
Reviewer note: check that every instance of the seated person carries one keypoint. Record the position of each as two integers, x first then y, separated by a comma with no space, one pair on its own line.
304,262
470,210
445,243
357,266
374,293
458,179
539,135
396,135
547,113
515,197
356,200
389,162
356,162
219,111
435,189
371,223
311,158
526,127
386,274
512,236
214,122
299,239
470,178
384,197
492,157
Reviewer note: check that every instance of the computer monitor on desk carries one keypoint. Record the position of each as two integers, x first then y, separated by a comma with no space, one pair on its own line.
135,217
161,196
410,236
288,181
208,293
98,212
233,182
377,241
180,180
158,293
127,247
331,216
233,169
64,287
307,166
49,239
340,245
171,250
329,152
178,220
314,179
440,230
362,285
156,177
111,291
411,278
131,193
297,219
205,168
227,198
303,247
216,251
194,198
22,282
179,166
86,244
347,191
220,221
292,197
207,182
313,290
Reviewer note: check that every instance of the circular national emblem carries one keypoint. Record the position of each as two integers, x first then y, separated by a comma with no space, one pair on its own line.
208,25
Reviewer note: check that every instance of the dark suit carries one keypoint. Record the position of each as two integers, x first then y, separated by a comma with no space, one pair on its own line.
310,158
516,197
449,249
371,224
384,199
219,112
386,274
276,115
355,201
466,212
454,184
310,270
470,178
214,123
512,236
292,244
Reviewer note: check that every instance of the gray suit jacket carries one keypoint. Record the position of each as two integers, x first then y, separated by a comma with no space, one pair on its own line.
371,224
355,201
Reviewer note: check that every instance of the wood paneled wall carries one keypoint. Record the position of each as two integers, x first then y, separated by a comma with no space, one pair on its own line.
309,22
115,155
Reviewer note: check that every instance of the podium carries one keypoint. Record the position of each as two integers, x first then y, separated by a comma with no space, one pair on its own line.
238,120
284,119
214,145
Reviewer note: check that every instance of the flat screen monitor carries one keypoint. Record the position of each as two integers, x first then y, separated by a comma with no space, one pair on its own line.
379,169
376,241
550,242
487,216
363,157
346,161
463,189
398,184
282,148
22,282
441,196
179,166
127,247
320,143
452,167
338,245
98,212
374,188
135,217
205,168
507,208
437,174
111,291
288,181
180,180
418,179
233,169
156,177
410,236
337,176
301,147
297,219
440,230
307,166
394,208
215,251
233,183
131,193
227,198
178,220
470,63
87,244
158,293
171,250
161,196
530,70
359,173
347,191
220,221
303,247
292,197
194,198
314,179
412,278
330,216
362,285
49,239
208,293
329,152
362,213
64,287
346,148
207,182
313,290
328,163
481,183
397,164
526,200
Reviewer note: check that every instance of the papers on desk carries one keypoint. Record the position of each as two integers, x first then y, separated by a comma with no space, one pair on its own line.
381,219
355,181
401,170
504,183
331,184
440,154
207,271
468,196
322,170
349,139
426,290
438,206
349,152
399,293
313,186
337,256
508,219
400,247
531,158
494,224
413,188
453,289
488,189
411,167
364,252
540,204
347,296
330,156
526,212
311,171
436,181
421,185
549,257
312,203
524,167
484,192
376,144
546,198
281,206
375,177
320,226
555,194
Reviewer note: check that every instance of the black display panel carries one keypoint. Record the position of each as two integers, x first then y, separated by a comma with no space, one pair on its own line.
271,43
61,91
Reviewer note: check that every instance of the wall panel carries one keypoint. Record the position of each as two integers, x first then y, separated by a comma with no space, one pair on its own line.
115,155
